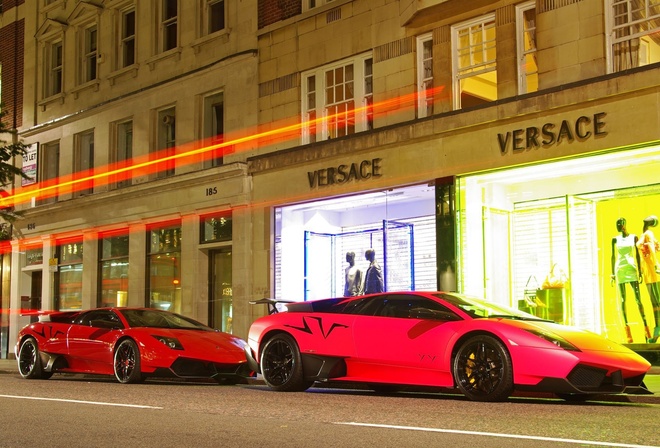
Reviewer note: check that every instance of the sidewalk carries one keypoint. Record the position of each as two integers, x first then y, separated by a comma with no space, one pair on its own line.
652,381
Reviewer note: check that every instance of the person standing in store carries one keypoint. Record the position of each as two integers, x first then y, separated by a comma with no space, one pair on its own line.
625,262
373,280
353,283
648,246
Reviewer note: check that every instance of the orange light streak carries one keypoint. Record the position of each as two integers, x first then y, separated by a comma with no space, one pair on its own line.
152,163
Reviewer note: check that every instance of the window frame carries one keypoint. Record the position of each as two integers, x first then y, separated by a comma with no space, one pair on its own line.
314,107
165,24
612,40
54,68
521,51
83,161
122,152
424,92
126,43
88,47
165,142
49,169
485,22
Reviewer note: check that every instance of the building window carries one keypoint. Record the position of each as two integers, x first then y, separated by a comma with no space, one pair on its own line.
164,267
169,36
166,143
214,128
369,92
84,163
634,28
49,170
425,75
113,270
89,54
311,4
53,69
215,15
474,64
528,71
68,278
336,99
122,153
127,42
216,228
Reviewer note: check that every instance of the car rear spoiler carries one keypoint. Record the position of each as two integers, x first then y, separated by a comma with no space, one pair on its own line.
272,304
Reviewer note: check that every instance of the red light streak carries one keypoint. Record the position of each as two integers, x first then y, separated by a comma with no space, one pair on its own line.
191,153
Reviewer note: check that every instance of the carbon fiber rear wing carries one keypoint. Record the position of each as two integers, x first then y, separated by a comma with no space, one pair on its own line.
272,304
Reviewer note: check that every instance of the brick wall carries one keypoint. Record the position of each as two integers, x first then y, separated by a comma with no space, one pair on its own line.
11,60
271,11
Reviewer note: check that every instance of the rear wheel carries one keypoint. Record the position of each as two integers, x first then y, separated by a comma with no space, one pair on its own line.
127,362
483,370
281,365
29,361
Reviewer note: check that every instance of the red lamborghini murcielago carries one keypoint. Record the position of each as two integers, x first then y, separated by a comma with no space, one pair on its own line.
433,339
131,344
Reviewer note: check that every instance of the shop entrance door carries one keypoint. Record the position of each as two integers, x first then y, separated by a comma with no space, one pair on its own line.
496,267
582,265
220,294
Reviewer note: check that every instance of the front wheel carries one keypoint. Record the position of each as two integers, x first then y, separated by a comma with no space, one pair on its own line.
483,370
29,361
281,365
127,362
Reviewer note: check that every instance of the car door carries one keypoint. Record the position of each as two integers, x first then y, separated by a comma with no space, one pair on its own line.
403,339
91,339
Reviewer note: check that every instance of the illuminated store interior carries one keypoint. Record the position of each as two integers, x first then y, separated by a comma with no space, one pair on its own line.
515,225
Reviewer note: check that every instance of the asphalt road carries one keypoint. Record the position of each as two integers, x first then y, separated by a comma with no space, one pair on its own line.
78,411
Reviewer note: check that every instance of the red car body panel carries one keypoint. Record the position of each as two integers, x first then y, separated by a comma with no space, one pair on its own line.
78,348
417,351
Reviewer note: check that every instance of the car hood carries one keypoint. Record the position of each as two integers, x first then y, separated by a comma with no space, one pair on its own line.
200,342
585,340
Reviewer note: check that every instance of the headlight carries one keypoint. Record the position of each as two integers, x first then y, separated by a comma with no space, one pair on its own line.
172,343
555,339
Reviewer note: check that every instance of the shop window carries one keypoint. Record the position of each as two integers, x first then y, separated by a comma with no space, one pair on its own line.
69,275
634,28
312,241
83,163
214,128
518,225
34,256
48,172
337,99
127,47
166,128
474,62
216,228
164,267
528,71
168,36
122,153
425,75
113,270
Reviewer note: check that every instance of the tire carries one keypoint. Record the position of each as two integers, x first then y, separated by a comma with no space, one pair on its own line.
281,365
127,362
29,361
483,370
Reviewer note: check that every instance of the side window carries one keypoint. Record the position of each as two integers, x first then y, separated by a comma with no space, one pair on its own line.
99,318
415,307
365,307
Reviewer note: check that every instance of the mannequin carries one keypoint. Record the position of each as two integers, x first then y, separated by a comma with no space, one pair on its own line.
648,246
373,280
353,284
625,260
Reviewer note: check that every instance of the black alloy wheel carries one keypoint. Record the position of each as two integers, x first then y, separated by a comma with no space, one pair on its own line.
483,370
281,365
127,362
29,361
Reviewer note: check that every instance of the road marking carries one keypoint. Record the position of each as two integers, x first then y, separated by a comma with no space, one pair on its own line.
494,434
98,403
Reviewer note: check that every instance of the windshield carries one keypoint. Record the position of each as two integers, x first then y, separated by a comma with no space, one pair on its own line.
161,319
478,308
